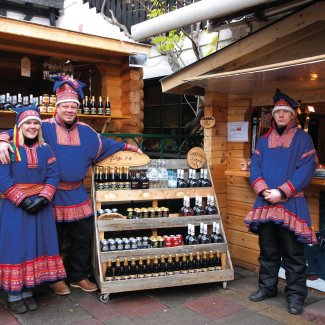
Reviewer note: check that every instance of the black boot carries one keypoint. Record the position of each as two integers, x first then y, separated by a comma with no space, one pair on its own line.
261,295
295,309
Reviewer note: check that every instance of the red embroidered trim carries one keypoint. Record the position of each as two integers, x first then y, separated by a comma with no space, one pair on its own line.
307,154
51,160
73,212
275,140
68,186
99,147
15,194
14,277
280,215
259,185
32,159
67,137
288,189
48,191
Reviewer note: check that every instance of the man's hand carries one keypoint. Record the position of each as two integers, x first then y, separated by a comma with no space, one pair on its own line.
26,203
131,147
38,205
273,196
5,149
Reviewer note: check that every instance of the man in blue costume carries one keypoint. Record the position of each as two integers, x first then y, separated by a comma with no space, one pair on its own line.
77,146
283,164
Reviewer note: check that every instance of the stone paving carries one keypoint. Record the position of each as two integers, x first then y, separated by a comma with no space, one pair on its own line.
190,305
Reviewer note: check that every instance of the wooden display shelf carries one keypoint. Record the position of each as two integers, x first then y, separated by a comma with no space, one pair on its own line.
150,223
152,194
166,281
315,180
222,247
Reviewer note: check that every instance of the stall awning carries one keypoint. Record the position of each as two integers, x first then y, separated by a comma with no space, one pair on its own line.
306,73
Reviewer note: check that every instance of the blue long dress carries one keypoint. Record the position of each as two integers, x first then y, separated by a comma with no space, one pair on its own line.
29,253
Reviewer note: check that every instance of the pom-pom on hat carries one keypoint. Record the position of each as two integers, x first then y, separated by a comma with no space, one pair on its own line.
26,113
283,102
23,114
67,89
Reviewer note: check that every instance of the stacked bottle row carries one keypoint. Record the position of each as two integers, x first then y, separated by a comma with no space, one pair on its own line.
209,209
203,237
161,267
90,106
121,178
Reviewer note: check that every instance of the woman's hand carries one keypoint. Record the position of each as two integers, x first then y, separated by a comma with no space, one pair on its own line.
5,149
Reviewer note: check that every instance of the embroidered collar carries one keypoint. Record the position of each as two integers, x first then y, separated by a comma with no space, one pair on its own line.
290,125
284,140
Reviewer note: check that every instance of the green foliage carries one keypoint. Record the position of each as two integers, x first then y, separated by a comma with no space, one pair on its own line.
213,45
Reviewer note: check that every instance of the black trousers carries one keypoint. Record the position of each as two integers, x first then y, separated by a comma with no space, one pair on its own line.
277,242
75,242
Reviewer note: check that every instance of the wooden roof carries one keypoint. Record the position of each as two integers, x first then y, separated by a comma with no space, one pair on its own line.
297,36
30,38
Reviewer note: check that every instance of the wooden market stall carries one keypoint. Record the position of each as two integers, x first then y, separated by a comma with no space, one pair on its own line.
108,57
237,82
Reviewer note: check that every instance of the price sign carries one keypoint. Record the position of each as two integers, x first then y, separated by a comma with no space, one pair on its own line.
125,158
196,158
207,122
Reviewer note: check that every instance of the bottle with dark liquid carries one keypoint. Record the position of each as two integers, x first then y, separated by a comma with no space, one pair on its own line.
170,265
201,178
118,270
212,208
96,178
204,262
135,185
93,109
177,266
127,180
181,183
199,209
197,262
126,270
163,266
7,104
187,238
101,180
109,271
141,269
144,181
133,269
217,237
155,267
191,264
106,185
212,262
100,106
113,184
206,182
205,239
189,179
184,267
148,269
19,101
218,261
193,240
86,108
80,107
187,211
108,111
201,232
194,181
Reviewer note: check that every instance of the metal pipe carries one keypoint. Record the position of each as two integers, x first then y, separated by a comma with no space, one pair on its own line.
202,10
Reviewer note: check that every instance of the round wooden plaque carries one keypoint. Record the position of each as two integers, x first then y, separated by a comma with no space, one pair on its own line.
196,157
207,122
125,158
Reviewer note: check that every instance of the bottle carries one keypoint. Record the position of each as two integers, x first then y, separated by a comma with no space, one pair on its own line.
155,267
205,239
100,106
106,185
204,262
193,181
218,262
148,269
141,268
181,211
109,271
206,182
100,180
113,185
19,101
191,264
93,109
119,180
126,270
199,237
189,230
197,262
108,111
96,178
31,99
86,107
144,181
184,268
7,104
181,183
118,270
127,180
217,237
177,266
133,269
195,204
170,265
207,207
189,179
212,208
200,181
212,262
187,211
193,239
163,266
135,185
81,107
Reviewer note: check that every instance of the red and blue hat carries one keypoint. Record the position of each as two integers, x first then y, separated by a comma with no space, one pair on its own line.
283,102
67,89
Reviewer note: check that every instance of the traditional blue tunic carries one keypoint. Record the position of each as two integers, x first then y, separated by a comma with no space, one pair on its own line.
76,149
287,162
29,253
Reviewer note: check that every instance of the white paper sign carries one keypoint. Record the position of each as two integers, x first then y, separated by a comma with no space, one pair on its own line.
237,131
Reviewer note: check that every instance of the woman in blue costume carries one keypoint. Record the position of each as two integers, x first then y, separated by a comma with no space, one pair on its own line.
29,253
283,164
